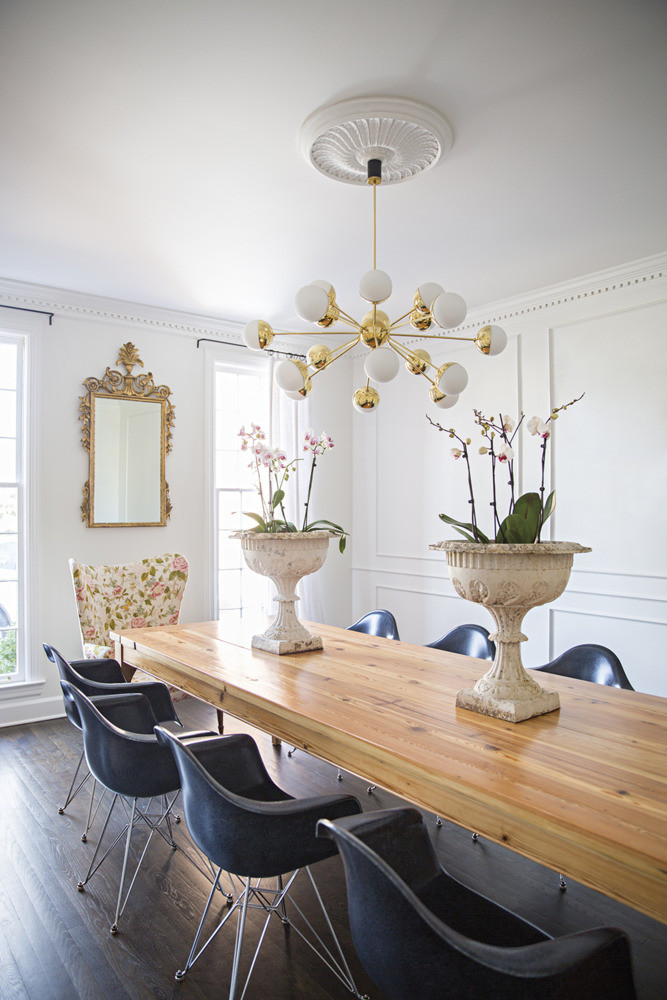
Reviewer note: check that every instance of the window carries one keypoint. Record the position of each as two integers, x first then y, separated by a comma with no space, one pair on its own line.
12,499
241,398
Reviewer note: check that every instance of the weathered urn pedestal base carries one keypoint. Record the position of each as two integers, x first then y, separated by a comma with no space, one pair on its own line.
285,557
509,580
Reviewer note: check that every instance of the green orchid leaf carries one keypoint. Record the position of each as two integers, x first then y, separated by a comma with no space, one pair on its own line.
327,526
521,526
549,506
477,535
261,525
277,498
341,543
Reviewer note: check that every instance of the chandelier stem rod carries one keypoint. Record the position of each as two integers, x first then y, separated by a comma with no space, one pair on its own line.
374,228
347,318
400,319
335,355
434,336
406,355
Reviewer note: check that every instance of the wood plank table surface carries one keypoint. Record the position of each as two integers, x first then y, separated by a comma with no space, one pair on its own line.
582,790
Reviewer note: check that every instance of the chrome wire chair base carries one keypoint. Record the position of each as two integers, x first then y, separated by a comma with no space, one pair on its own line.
160,823
74,791
254,894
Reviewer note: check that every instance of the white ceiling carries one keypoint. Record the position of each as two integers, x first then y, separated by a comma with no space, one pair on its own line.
150,147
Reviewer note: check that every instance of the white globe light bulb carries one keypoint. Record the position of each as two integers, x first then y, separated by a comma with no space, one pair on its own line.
498,340
311,303
453,380
446,401
326,285
298,396
449,310
375,286
428,293
382,364
289,376
251,335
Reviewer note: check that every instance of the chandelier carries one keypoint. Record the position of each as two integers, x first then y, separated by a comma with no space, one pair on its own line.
372,141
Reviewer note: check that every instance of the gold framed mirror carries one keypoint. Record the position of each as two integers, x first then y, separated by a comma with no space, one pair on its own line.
126,428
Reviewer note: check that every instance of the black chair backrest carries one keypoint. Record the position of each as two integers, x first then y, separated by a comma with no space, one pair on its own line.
78,672
480,950
469,640
238,817
121,748
381,623
590,662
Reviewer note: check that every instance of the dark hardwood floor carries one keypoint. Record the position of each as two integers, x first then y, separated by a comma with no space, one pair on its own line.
55,942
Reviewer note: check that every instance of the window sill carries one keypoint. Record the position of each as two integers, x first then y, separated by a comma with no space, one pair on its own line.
20,689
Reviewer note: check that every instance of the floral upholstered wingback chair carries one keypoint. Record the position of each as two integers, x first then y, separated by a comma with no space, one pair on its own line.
136,595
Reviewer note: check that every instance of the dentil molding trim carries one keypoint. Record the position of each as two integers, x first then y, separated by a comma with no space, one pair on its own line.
62,302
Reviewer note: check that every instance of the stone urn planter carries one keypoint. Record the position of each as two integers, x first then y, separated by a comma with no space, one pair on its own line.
285,557
509,580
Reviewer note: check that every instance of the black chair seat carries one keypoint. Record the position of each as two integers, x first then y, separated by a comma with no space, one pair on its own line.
420,933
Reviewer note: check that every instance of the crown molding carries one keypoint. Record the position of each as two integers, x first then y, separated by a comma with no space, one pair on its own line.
599,283
64,303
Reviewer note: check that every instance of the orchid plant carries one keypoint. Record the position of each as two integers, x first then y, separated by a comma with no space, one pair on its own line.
526,514
272,470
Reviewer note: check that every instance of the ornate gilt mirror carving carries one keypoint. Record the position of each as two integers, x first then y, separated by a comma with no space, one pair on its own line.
126,428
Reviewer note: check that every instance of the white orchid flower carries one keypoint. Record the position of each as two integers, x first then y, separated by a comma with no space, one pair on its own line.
505,453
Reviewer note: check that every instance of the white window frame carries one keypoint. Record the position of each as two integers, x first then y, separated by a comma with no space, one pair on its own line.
25,329
232,359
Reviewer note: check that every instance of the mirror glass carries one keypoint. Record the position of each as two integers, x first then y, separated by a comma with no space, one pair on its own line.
128,460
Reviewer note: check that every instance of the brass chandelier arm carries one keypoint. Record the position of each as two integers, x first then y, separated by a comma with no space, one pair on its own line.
347,318
338,353
399,322
434,336
407,355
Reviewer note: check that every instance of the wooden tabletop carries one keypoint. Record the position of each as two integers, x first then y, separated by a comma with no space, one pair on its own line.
582,790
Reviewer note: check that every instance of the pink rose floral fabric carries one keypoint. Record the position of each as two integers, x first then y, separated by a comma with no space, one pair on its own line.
136,595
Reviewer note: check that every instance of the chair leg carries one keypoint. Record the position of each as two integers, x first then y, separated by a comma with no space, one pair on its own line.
72,790
238,943
130,827
91,816
562,884
194,954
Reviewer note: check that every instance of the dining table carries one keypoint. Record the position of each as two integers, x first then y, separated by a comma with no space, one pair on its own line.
582,790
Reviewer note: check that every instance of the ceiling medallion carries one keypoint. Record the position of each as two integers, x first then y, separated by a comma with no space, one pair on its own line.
373,141
409,137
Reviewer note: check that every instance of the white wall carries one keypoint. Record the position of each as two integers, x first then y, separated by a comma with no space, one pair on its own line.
603,335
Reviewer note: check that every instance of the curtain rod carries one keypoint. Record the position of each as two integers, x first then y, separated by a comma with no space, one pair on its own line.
42,312
227,343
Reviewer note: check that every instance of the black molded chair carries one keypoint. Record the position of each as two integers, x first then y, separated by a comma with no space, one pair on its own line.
590,662
248,826
469,640
381,623
421,933
101,677
124,756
